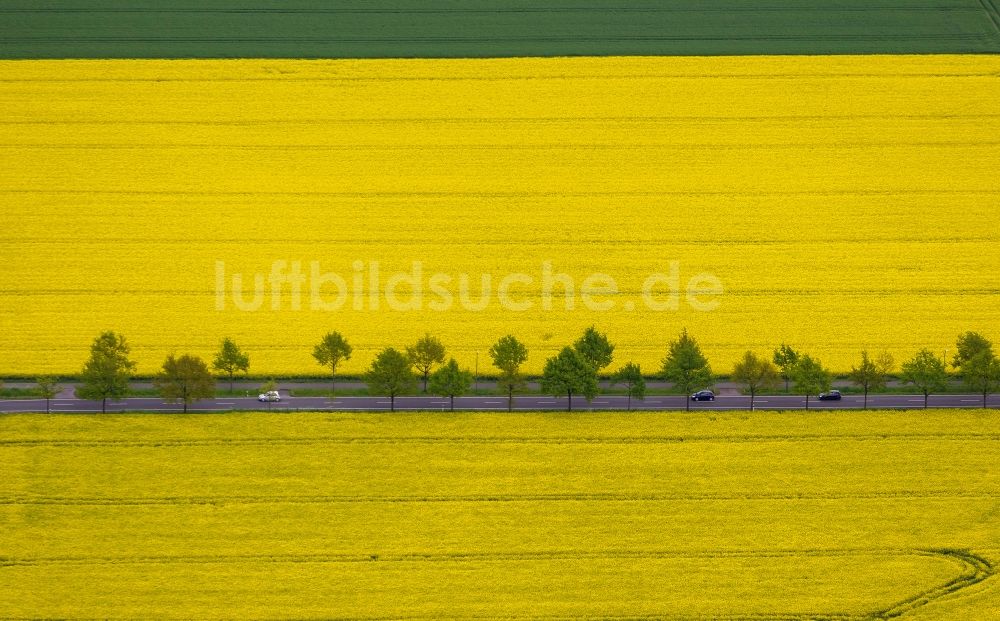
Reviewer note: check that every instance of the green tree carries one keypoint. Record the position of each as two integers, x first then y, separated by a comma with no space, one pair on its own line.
107,372
810,377
231,360
925,371
451,381
48,389
508,355
756,374
424,354
686,366
872,373
185,379
981,373
785,358
595,349
390,375
330,352
969,345
630,376
568,373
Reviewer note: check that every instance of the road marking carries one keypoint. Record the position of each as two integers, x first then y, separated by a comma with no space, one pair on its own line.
224,403
915,400
383,402
492,402
545,402
971,400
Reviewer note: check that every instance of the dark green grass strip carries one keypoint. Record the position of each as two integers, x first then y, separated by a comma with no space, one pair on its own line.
481,28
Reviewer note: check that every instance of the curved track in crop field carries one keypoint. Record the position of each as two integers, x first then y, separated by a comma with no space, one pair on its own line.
972,570
975,569
636,516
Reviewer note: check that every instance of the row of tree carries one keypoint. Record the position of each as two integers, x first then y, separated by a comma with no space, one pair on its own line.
574,370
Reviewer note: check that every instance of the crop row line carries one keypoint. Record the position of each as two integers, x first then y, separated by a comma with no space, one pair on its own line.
571,38
766,616
957,8
284,78
432,557
504,146
484,498
514,194
783,118
576,440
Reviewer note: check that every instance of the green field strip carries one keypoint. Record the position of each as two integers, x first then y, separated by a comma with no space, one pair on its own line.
479,28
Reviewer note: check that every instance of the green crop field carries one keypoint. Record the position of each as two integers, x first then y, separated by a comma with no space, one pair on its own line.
370,516
478,28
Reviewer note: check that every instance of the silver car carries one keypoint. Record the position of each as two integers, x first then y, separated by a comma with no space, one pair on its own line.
269,396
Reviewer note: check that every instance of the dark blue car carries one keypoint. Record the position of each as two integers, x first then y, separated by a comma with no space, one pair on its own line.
703,395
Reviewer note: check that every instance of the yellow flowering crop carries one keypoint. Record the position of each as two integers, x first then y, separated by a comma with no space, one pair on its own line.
841,202
431,515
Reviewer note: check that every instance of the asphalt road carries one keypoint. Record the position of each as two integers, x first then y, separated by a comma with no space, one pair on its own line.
532,402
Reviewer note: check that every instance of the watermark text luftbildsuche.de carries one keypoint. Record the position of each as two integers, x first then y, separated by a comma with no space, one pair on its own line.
299,285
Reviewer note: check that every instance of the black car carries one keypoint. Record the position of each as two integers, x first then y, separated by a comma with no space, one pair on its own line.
703,395
833,395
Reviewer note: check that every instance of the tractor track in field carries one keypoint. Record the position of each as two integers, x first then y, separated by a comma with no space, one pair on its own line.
320,499
993,12
973,569
500,440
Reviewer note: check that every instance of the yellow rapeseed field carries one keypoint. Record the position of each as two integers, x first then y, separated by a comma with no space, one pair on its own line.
839,202
835,515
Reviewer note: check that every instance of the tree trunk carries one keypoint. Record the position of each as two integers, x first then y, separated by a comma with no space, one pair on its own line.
628,402
569,400
866,399
392,403
453,403
230,383
985,394
47,410
786,383
185,406
926,394
426,374
104,405
687,401
807,402
751,400
510,399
